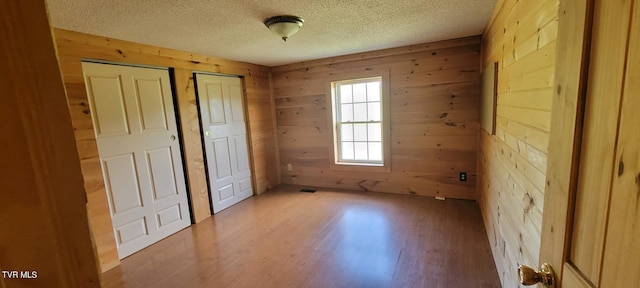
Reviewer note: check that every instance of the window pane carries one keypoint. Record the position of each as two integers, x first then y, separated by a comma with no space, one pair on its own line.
373,91
345,94
346,132
360,92
360,112
358,105
375,151
346,113
360,132
347,151
374,132
361,151
374,111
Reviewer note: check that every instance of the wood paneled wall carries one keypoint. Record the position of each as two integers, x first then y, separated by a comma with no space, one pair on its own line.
435,96
512,168
74,46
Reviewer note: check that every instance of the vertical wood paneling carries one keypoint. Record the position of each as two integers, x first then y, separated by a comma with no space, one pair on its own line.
74,46
512,166
434,113
191,143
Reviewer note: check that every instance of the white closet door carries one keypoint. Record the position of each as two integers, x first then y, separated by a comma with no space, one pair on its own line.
223,122
134,121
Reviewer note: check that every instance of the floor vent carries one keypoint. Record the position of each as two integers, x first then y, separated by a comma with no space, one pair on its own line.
308,190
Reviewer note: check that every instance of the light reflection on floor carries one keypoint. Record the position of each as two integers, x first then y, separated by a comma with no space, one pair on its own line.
366,248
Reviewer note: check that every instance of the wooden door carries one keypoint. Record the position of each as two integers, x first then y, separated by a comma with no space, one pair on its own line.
133,116
591,225
221,105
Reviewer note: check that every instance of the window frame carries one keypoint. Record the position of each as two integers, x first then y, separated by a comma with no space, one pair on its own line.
332,114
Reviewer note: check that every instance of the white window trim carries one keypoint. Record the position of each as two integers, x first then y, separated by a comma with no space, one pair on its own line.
360,74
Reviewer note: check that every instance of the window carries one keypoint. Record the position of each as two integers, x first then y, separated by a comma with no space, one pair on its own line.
358,112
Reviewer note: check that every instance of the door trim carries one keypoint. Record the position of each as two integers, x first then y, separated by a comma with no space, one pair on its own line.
99,61
218,74
572,65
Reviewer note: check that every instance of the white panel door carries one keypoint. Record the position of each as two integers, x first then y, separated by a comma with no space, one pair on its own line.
222,117
134,121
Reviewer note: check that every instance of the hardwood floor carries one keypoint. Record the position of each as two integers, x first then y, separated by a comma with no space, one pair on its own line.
330,238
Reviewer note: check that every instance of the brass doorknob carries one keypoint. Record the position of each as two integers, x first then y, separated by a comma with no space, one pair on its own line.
529,276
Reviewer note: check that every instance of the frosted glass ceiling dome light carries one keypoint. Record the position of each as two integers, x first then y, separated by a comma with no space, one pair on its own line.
284,26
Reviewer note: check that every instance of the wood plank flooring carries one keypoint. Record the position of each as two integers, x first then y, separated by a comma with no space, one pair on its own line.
330,238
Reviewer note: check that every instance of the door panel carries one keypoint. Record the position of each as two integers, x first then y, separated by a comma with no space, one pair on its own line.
168,215
572,278
591,222
221,159
151,103
622,257
242,154
122,183
131,231
223,121
602,107
225,192
215,104
237,109
136,132
245,184
163,178
107,104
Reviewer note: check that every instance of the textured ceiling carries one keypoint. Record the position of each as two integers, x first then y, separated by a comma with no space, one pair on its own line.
233,29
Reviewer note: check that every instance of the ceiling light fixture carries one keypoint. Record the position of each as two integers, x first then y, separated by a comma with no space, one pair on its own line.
284,25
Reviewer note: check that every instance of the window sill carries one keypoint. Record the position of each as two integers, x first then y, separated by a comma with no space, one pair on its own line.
360,167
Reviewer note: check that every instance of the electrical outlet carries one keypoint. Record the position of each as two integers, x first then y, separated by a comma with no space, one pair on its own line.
463,176
289,167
